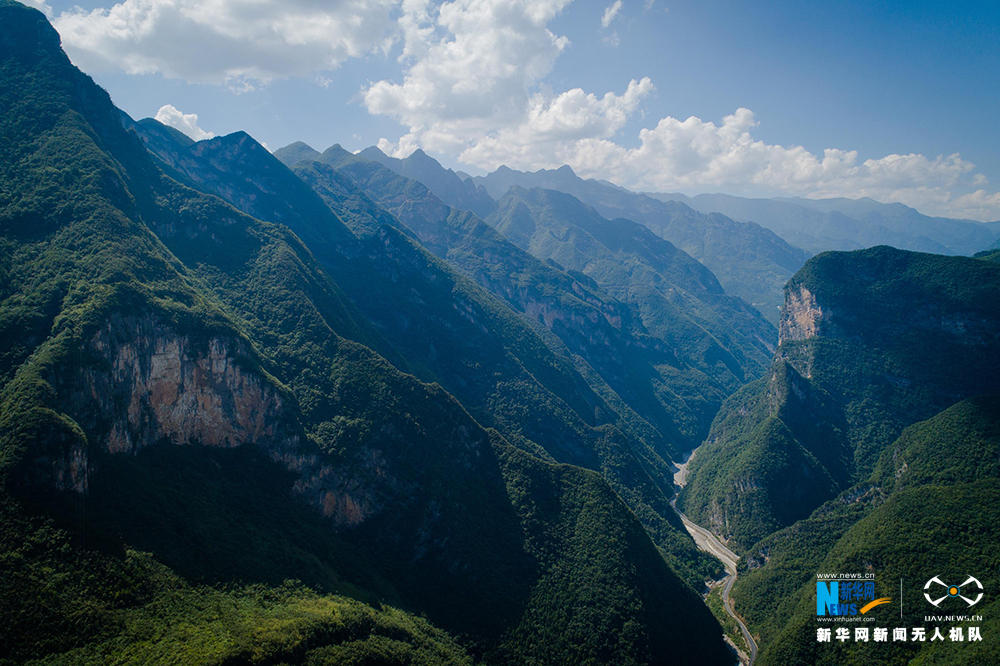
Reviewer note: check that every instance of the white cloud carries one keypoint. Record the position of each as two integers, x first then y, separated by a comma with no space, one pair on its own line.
239,43
40,5
610,13
699,156
555,126
187,123
472,66
473,87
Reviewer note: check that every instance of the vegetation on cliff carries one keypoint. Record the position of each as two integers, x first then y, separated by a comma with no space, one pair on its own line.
141,317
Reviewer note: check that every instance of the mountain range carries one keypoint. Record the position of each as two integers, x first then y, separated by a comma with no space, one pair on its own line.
204,457
310,407
871,444
730,236
818,225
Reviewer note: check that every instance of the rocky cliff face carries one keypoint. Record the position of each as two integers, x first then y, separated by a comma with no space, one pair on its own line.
871,342
801,315
181,390
140,382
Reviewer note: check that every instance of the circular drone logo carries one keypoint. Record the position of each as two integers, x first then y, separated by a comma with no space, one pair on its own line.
954,591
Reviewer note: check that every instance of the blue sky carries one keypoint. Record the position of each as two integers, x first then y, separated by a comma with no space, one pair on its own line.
894,100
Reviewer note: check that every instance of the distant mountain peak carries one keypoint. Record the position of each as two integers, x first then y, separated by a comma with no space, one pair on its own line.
296,152
373,153
300,145
454,190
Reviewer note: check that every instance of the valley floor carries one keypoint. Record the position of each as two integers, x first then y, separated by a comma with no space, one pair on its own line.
711,544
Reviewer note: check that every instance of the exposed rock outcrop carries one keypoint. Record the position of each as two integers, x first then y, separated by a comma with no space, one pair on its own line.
801,316
138,381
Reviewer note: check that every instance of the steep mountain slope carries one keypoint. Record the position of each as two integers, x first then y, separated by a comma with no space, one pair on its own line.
847,224
678,299
541,401
921,513
750,261
422,168
444,183
176,378
871,342
609,340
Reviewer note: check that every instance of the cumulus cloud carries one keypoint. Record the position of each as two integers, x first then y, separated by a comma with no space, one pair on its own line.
610,13
232,42
483,66
699,156
40,5
473,66
187,123
474,89
555,128
473,86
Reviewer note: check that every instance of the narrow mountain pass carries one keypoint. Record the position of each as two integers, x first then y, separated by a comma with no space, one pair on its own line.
710,543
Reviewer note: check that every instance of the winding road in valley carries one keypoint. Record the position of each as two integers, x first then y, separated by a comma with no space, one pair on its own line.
710,543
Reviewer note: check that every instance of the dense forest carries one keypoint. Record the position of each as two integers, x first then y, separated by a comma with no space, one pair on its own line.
332,407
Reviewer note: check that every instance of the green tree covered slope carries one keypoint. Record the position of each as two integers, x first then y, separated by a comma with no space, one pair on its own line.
192,412
871,342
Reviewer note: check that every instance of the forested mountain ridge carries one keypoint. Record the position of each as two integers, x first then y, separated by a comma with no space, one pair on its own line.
923,509
448,186
871,342
186,422
751,262
872,445
315,408
677,298
542,401
482,254
818,225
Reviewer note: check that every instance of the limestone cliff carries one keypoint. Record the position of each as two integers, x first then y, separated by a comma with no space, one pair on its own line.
871,342
141,382
801,315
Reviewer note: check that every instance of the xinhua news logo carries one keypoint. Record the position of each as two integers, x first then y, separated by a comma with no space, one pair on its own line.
846,597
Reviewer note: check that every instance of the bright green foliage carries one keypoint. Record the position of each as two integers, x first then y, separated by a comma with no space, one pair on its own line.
766,596
364,482
918,533
900,336
791,458
542,377
565,511
729,625
145,614
960,444
923,512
